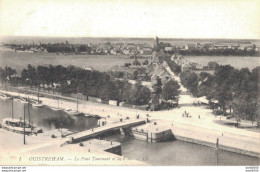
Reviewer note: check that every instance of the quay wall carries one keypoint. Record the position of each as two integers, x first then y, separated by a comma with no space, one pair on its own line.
141,134
221,146
112,102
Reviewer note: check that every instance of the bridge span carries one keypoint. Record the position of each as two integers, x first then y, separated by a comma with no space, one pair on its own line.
84,135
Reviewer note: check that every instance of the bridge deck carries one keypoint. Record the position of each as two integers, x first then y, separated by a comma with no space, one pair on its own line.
100,130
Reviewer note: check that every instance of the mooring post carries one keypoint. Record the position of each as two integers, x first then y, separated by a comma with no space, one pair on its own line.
217,147
163,136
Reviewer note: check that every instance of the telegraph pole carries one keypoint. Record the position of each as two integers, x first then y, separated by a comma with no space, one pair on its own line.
24,125
38,93
29,110
77,98
12,108
77,102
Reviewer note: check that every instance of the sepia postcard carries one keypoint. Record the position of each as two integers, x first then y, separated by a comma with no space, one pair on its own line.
129,83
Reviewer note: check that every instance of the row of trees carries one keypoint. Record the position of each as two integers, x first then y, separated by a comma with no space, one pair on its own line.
167,91
67,80
206,51
219,52
175,68
233,88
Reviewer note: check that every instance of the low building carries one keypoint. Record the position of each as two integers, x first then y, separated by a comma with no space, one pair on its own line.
113,52
168,49
189,46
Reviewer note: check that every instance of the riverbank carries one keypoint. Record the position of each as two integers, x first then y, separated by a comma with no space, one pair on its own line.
203,130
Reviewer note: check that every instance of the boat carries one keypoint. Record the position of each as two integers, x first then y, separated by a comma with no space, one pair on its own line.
58,107
23,101
37,105
4,97
55,109
72,112
19,126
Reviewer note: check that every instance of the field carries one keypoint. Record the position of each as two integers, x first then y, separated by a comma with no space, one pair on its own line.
105,62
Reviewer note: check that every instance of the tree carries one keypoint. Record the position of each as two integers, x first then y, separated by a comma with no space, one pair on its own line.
170,90
140,95
212,64
158,86
127,64
32,75
175,68
109,92
136,62
225,76
120,87
145,62
82,48
42,75
126,92
245,95
6,74
190,81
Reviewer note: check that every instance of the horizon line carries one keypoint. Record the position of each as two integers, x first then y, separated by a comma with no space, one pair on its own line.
109,37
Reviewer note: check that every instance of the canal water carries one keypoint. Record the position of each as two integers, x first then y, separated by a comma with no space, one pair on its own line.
179,153
164,153
44,117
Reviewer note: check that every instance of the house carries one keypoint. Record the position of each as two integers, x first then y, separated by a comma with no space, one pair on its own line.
189,46
244,46
126,52
113,52
88,68
160,72
150,67
165,77
186,67
141,51
154,79
168,49
220,46
199,67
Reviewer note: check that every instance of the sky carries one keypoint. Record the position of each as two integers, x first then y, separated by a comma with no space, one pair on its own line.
235,19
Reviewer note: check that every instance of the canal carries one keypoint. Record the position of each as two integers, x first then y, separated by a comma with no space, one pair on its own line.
164,153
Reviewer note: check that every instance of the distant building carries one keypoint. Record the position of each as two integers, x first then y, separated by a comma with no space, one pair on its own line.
189,46
167,49
126,51
113,52
88,68
160,72
156,42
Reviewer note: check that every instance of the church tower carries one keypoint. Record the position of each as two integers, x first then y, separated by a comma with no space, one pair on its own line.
156,41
